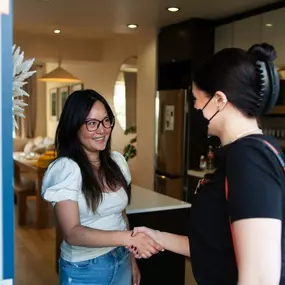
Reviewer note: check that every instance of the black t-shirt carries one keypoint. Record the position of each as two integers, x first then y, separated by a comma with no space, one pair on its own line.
256,183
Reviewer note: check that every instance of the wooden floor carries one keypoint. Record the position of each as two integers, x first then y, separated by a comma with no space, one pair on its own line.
34,253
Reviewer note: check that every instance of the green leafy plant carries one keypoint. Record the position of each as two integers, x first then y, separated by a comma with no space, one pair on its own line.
130,150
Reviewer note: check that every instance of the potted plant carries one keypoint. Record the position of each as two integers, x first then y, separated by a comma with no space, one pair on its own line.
130,150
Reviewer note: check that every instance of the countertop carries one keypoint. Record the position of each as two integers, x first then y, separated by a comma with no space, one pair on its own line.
199,173
145,200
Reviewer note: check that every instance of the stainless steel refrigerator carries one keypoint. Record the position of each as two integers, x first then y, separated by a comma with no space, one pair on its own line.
171,143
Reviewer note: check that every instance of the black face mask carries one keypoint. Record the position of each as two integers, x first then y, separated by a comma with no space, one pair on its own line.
204,122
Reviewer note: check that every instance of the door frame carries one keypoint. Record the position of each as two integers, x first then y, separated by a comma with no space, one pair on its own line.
6,148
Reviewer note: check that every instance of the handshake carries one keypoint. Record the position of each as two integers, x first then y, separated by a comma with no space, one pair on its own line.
145,242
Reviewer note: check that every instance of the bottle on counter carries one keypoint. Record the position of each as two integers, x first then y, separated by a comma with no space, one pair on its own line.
210,159
203,162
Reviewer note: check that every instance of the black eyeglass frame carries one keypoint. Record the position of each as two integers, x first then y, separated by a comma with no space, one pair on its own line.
112,122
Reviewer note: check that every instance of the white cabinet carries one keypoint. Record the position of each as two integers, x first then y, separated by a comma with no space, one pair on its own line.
247,32
267,27
273,32
242,34
223,37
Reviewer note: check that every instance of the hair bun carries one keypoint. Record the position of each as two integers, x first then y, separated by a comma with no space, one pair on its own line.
263,52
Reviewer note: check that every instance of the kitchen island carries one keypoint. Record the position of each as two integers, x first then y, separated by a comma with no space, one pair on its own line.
154,210
199,173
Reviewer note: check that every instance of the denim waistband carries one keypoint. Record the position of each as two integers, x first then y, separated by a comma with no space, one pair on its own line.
114,256
112,268
117,253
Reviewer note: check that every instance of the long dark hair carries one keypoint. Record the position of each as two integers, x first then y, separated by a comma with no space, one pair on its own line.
67,144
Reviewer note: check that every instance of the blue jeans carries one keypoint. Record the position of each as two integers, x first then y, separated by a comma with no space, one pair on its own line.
112,268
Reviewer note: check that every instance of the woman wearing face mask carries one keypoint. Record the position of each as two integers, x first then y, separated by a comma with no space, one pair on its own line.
89,188
237,223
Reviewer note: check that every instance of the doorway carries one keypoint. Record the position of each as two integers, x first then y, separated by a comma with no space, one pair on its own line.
6,192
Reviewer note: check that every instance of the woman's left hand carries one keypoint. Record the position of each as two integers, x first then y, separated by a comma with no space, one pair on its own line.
136,275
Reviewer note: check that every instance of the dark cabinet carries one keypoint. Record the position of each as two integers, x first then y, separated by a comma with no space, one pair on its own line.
176,75
281,97
189,40
279,108
181,47
174,44
164,268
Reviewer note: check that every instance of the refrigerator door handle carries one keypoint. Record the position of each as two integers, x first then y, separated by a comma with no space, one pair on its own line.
162,119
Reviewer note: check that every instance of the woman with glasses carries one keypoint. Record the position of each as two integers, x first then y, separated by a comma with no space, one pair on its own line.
89,186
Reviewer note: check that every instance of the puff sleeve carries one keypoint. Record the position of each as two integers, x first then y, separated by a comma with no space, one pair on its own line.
123,164
62,181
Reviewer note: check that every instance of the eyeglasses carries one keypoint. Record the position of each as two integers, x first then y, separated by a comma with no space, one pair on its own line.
93,125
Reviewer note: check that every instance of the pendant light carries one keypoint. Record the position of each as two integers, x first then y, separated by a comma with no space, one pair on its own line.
59,75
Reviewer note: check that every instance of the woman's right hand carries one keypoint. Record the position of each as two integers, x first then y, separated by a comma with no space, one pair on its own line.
143,245
153,234
148,231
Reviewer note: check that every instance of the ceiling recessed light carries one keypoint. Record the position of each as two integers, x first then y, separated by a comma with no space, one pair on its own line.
132,26
268,25
173,9
56,31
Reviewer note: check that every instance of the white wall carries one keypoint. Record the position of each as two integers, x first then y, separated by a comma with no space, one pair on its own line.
48,48
146,109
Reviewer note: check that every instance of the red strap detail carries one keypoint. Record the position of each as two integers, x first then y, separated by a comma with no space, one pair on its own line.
275,151
231,226
271,146
227,189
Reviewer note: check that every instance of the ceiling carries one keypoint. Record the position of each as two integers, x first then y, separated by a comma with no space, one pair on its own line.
103,18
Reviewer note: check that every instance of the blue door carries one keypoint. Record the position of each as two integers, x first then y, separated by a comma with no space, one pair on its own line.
6,146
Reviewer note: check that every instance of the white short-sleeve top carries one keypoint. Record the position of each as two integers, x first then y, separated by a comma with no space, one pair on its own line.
63,181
